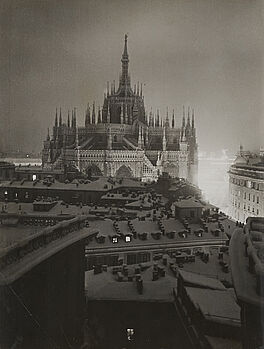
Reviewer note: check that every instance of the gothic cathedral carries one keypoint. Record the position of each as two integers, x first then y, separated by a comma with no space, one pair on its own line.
122,140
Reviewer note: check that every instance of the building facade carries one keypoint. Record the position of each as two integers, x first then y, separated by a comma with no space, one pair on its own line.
121,139
246,186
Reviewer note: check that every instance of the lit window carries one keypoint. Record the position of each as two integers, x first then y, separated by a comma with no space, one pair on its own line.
34,177
128,238
130,334
114,240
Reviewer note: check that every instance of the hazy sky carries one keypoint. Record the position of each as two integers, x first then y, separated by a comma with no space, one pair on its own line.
203,53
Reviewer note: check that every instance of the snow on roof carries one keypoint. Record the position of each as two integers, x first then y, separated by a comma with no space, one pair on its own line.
201,281
188,203
215,305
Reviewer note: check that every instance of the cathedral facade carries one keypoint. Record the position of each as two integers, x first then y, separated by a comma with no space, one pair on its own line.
122,140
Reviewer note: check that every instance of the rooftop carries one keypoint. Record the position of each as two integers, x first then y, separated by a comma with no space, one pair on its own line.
101,184
224,310
104,286
201,281
154,235
188,203
108,284
223,343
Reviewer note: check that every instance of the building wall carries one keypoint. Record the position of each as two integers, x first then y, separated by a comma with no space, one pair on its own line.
155,325
246,195
23,194
7,171
193,213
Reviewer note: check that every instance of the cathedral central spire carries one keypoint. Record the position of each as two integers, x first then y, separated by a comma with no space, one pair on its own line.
124,76
125,54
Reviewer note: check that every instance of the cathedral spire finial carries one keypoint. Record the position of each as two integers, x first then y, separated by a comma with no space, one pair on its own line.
56,118
183,118
125,54
124,79
60,122
48,136
93,113
167,121
188,117
68,121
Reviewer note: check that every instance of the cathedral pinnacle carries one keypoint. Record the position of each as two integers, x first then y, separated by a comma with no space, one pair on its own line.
164,142
68,122
56,119
60,122
93,114
48,136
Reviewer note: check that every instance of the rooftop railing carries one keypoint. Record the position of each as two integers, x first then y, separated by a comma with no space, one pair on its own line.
19,250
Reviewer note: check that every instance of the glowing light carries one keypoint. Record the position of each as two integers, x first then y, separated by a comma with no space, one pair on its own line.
130,334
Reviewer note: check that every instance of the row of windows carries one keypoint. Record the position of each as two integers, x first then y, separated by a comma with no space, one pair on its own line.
245,207
245,183
249,196
113,260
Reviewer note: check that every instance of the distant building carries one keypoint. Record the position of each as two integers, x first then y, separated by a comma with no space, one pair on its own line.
188,208
120,139
78,191
7,171
246,186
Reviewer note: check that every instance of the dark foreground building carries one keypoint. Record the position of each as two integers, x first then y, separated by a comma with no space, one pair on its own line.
42,286
247,251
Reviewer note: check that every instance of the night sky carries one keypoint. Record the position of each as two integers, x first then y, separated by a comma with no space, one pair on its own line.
203,53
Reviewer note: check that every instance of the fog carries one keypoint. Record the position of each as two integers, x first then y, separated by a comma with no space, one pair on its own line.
203,53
